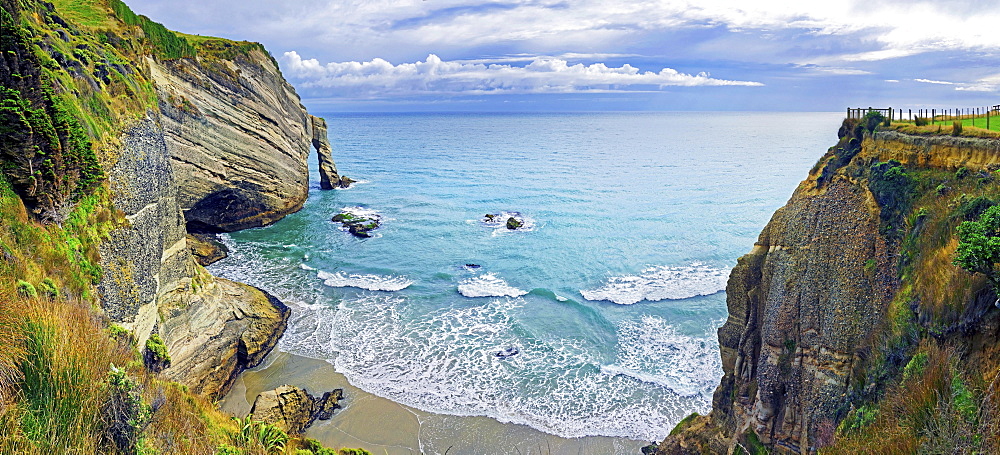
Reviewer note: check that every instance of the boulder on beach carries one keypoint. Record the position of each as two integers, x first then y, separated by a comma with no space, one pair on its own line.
293,409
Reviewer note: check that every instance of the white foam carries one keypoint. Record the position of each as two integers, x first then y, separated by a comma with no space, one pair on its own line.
443,361
305,266
652,350
499,223
362,212
353,185
370,282
661,283
488,285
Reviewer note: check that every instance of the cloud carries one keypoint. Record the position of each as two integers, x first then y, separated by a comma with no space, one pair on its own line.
378,78
931,81
986,84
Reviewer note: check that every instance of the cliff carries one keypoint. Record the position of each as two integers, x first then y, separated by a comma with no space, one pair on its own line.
237,137
847,299
118,138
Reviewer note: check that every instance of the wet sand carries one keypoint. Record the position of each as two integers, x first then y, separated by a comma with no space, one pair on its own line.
384,427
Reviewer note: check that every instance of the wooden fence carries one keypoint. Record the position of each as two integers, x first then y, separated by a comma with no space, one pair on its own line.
931,115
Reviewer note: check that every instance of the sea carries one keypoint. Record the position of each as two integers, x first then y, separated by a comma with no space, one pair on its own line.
611,292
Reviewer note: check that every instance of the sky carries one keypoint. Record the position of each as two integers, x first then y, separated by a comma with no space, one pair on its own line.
615,55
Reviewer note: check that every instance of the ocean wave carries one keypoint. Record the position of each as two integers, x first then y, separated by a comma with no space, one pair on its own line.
362,212
444,362
370,282
661,283
652,350
488,285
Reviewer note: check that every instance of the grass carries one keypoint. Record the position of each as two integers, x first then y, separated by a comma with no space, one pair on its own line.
971,126
89,13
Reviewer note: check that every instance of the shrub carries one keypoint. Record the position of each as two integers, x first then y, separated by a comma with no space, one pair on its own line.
48,288
893,189
961,173
915,367
26,289
872,120
970,208
156,356
921,121
956,128
346,451
259,435
124,414
979,244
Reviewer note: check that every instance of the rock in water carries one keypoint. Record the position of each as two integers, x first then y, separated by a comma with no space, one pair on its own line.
328,176
513,223
206,248
293,409
359,226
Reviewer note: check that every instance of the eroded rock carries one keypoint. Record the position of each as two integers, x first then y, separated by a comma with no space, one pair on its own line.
206,248
293,409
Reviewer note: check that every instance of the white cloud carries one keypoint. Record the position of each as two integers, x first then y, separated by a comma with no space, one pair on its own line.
892,81
931,81
888,29
986,84
378,78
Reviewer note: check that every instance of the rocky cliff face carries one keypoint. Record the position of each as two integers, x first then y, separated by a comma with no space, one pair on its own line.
213,328
227,150
238,139
827,307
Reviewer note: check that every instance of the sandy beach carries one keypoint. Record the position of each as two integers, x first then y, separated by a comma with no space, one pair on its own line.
384,427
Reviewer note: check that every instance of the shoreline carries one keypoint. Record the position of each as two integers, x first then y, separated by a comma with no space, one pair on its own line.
382,426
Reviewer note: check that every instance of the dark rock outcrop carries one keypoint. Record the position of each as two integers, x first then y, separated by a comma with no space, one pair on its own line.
293,409
357,225
206,248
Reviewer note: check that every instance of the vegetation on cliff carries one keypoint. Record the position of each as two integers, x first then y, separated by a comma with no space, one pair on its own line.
72,79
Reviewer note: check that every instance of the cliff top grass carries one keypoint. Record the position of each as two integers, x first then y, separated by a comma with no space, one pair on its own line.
941,125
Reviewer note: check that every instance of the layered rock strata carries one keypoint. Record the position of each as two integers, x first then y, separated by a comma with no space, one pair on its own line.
213,328
238,139
328,176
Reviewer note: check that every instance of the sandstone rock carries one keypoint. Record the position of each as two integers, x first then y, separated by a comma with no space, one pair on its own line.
293,409
328,176
238,139
206,248
217,330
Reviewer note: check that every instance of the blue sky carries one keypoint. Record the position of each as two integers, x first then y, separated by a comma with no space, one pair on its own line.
597,55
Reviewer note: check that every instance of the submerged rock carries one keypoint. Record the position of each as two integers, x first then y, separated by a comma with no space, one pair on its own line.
293,409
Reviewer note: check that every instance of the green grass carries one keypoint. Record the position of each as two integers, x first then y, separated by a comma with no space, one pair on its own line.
90,13
976,122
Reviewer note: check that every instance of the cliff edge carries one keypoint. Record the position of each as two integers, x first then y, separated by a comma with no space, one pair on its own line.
848,283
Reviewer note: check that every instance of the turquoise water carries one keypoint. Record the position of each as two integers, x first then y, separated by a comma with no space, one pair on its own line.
612,292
